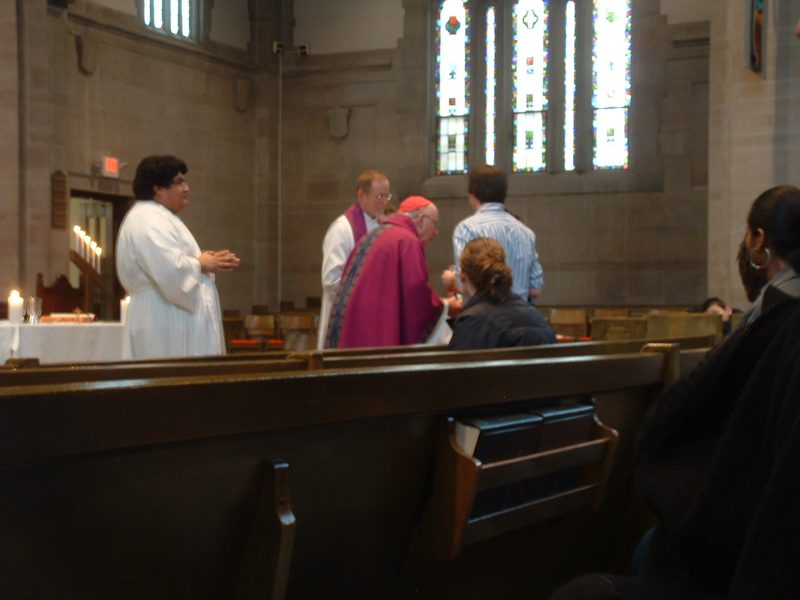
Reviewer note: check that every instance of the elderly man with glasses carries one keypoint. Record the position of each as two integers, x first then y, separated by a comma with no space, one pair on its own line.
384,298
372,196
174,308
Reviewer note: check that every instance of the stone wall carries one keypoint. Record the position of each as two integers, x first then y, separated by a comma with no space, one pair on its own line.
130,92
637,237
754,141
9,150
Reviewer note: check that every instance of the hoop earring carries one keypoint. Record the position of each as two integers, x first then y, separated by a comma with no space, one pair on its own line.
759,267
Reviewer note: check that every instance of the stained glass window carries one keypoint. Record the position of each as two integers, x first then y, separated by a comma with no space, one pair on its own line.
529,78
452,87
491,85
569,88
611,83
173,16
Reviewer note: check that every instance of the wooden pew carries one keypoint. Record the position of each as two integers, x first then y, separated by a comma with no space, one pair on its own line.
150,488
279,361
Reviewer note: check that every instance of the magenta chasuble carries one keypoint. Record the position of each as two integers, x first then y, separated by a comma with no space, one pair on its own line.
384,298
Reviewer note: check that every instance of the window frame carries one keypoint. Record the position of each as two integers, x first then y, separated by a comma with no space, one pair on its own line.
195,23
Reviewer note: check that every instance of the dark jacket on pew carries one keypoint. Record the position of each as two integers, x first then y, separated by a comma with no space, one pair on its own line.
718,465
484,324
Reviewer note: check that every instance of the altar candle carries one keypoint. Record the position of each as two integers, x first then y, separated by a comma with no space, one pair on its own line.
76,239
98,251
15,307
93,254
87,250
82,245
123,308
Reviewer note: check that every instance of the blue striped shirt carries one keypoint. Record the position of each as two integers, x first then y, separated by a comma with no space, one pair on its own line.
492,220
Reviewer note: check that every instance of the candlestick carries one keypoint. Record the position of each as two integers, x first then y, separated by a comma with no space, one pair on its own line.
15,307
123,308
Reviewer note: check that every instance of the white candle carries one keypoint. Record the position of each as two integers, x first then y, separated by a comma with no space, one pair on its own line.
76,239
15,307
87,250
93,254
82,244
98,251
123,308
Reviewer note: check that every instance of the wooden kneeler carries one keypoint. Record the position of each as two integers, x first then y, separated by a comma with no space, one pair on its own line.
446,525
268,555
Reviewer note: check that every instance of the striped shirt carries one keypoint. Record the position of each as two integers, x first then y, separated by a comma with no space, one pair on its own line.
492,220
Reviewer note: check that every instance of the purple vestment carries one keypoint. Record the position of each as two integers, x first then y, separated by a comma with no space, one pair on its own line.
355,216
384,298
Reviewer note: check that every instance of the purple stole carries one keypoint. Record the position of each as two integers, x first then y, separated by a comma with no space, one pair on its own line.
355,216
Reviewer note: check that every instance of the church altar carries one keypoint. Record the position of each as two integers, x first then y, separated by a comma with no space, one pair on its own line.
62,342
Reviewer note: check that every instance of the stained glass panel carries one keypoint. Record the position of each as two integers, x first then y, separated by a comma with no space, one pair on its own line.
611,82
186,18
174,19
158,14
452,86
491,96
529,77
569,88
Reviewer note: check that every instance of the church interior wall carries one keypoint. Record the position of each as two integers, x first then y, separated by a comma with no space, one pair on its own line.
131,93
639,239
754,140
716,134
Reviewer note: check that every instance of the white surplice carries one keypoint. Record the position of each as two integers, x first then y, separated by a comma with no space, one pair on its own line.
336,248
174,308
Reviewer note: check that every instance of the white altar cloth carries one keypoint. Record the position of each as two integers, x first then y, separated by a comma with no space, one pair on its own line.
62,342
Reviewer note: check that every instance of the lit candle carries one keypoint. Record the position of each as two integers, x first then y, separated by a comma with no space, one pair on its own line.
15,307
76,239
87,250
93,254
123,308
99,252
82,244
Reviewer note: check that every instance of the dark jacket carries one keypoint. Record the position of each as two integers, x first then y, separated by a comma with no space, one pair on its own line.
719,460
484,324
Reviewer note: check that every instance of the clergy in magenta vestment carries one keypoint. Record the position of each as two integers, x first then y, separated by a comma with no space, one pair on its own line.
384,298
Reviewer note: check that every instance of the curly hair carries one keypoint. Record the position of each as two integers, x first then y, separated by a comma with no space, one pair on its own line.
156,171
483,261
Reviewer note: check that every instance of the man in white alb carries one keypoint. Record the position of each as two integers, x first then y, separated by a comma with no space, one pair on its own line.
174,308
372,195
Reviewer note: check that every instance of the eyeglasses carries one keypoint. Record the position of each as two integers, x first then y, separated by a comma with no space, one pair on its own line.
387,197
434,223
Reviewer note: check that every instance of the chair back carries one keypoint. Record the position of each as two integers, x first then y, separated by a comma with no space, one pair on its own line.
59,297
299,330
260,326
570,321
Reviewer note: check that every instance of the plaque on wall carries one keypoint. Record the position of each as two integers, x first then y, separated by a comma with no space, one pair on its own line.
58,200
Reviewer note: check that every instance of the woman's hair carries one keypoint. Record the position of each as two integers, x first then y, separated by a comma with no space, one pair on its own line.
777,212
483,261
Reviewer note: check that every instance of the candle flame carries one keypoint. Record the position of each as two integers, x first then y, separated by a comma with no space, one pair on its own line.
14,294
93,245
77,229
98,250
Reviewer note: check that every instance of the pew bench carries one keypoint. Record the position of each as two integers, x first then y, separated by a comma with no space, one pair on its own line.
150,488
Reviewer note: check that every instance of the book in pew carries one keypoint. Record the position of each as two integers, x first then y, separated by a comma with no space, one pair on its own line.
494,438
562,426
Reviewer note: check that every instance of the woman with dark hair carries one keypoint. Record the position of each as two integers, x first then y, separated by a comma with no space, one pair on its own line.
718,455
494,317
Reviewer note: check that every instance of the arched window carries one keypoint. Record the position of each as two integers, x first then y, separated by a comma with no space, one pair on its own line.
550,84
